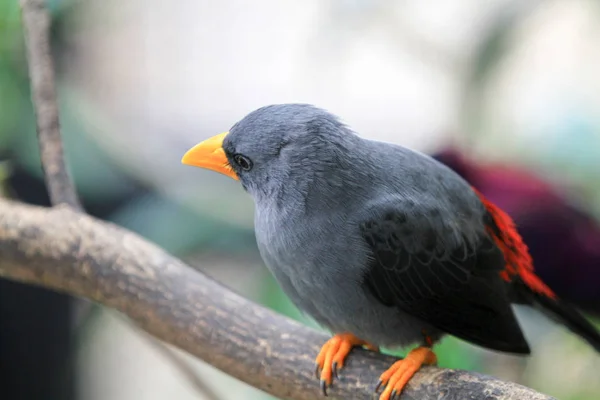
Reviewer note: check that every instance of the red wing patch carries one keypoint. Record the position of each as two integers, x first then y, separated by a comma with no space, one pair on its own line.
518,260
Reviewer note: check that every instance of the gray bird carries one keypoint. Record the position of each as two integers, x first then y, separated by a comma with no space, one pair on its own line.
382,245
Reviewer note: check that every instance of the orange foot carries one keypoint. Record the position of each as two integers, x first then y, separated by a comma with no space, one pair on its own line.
333,354
398,375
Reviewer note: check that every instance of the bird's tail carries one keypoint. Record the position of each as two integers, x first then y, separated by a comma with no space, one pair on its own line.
564,313
529,287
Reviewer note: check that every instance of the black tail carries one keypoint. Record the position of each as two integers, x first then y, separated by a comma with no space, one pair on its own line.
569,316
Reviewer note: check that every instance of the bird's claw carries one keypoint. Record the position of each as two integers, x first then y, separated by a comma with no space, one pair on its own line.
397,376
332,356
323,386
334,370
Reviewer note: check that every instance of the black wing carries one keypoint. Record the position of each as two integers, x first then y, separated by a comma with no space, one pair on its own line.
444,276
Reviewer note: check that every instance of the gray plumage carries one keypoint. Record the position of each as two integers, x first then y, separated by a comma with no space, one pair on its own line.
318,189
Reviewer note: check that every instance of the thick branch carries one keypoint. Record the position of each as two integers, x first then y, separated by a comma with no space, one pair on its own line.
36,26
74,253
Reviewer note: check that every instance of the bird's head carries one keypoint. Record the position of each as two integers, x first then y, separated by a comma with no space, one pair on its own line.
273,146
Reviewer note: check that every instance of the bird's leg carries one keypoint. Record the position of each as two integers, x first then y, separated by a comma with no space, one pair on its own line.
398,375
333,354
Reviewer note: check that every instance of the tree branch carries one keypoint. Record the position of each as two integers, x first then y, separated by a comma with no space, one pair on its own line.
36,27
77,254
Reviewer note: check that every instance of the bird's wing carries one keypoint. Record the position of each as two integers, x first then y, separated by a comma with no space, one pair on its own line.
426,267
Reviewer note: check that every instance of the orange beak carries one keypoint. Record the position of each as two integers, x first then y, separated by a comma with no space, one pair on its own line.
209,154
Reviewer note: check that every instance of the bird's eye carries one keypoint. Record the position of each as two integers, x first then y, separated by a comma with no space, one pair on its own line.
244,162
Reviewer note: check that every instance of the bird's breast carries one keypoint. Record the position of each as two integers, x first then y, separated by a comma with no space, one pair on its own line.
283,241
312,250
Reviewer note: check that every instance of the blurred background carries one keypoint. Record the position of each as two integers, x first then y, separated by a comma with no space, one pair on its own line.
506,92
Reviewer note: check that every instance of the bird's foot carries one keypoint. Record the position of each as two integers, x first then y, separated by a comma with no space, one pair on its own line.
398,375
332,356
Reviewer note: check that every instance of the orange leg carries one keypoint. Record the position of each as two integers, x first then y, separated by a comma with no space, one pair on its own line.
333,354
398,375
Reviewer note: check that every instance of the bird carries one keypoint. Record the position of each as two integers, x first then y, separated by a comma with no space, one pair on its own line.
381,245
